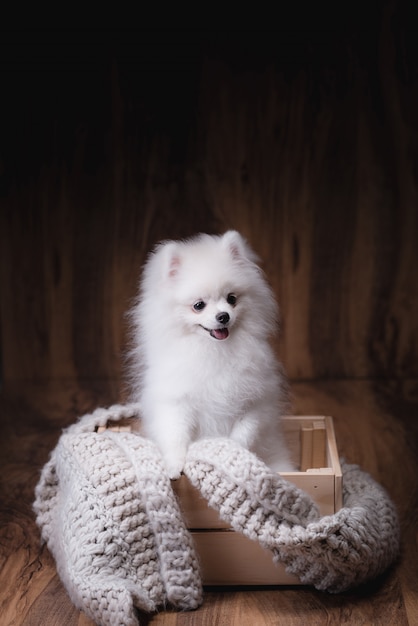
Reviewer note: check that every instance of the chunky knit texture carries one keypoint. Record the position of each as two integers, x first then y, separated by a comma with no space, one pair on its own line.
332,553
109,516
106,509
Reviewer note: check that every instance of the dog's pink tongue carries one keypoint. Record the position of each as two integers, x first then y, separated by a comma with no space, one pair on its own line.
219,333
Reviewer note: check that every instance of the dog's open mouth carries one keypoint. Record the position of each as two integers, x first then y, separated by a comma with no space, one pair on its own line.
218,333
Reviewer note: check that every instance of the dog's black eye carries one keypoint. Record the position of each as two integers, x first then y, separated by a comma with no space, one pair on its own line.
199,305
231,299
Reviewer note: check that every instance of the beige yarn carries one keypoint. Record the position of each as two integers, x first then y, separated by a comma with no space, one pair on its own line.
106,509
332,553
108,514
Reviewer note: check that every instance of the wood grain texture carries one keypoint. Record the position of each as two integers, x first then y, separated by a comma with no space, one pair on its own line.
368,432
305,140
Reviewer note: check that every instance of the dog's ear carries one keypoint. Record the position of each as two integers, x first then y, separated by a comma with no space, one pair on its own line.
169,259
174,265
238,247
173,259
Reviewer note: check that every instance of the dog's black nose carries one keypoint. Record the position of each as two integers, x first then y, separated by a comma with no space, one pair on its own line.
222,318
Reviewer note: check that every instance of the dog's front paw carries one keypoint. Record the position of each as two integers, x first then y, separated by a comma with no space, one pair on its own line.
174,474
174,464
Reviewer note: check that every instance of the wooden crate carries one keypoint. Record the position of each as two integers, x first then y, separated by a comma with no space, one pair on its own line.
229,558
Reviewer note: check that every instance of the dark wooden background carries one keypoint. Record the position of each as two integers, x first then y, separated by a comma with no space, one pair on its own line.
304,139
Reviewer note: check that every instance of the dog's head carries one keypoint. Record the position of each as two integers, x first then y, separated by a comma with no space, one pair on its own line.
212,286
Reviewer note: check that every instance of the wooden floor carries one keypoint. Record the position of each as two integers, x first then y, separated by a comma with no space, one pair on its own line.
375,427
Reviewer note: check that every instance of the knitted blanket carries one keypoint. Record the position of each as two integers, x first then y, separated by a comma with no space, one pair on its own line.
106,509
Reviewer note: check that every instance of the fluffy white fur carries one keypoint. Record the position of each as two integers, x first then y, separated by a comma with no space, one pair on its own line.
202,364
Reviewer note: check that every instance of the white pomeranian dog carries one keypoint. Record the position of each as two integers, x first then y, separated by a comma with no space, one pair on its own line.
202,365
